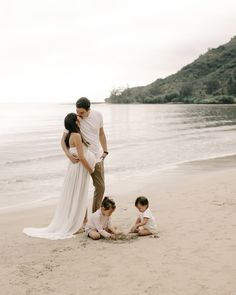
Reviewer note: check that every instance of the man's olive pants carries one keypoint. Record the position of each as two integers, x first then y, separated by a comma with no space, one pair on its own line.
99,185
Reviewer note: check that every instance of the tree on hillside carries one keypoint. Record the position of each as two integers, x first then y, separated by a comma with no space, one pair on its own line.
211,78
186,90
154,89
211,86
231,86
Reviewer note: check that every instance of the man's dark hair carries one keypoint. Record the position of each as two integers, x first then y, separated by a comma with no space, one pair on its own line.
84,103
141,201
108,203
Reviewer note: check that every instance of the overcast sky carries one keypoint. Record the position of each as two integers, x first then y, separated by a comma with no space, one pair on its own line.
58,50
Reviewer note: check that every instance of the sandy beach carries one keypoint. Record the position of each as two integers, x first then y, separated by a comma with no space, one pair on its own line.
194,253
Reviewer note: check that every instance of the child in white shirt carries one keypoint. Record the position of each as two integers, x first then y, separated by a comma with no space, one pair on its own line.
99,223
146,223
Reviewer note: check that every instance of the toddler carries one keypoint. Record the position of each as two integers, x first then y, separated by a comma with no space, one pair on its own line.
99,223
146,223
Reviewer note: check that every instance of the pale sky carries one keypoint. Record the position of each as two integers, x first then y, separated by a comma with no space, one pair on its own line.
58,50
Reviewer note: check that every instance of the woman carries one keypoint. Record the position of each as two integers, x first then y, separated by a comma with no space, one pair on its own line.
71,209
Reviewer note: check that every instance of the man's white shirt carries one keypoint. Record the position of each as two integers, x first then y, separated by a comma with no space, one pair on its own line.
90,128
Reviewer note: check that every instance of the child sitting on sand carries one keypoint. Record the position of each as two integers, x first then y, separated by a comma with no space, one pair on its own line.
146,223
99,223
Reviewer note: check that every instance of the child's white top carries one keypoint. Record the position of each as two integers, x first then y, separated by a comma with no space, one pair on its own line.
151,223
99,222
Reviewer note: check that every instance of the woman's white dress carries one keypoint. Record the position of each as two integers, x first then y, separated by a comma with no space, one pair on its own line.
71,209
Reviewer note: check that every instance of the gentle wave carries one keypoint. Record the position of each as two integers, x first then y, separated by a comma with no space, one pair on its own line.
31,178
34,159
141,138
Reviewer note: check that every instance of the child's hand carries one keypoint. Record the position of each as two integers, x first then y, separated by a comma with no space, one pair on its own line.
117,232
113,237
133,229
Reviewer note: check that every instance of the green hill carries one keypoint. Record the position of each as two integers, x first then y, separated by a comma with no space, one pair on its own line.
209,79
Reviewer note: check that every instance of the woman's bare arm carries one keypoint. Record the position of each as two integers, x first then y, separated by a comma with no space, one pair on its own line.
76,138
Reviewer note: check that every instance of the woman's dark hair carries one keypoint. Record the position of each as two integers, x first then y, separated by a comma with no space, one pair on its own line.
71,126
83,103
108,203
141,201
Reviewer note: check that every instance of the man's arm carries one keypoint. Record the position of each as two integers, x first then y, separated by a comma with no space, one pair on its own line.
72,157
103,141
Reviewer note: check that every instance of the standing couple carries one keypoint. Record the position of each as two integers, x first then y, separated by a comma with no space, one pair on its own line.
81,142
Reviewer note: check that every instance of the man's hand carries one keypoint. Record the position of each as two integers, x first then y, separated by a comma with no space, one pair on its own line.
74,158
91,172
104,155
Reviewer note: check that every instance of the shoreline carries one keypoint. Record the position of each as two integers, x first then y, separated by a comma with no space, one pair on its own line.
194,254
193,166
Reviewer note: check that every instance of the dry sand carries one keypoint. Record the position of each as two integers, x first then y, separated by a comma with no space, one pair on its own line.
194,254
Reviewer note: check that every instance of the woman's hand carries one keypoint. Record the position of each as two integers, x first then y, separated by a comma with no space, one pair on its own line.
73,157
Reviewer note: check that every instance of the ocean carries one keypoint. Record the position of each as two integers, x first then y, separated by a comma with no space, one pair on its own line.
142,140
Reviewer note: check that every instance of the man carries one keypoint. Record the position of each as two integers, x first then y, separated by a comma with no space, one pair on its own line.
91,127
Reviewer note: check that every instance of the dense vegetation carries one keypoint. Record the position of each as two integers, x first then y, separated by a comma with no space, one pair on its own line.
209,79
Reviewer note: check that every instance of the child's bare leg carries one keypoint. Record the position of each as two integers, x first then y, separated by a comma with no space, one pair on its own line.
93,234
144,232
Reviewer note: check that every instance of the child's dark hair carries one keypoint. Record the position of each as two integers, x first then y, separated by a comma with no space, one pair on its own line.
141,201
108,203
